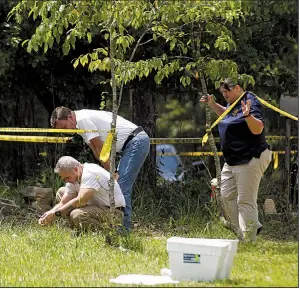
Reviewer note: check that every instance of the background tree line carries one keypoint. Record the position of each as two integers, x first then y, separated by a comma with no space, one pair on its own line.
182,43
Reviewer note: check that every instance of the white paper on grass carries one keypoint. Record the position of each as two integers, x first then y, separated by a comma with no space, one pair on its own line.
139,279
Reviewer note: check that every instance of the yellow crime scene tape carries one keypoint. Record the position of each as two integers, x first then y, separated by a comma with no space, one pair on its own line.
54,130
276,109
106,148
205,138
199,140
198,154
152,140
105,153
40,139
188,154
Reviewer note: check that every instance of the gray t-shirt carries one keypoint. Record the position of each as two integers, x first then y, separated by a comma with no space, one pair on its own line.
96,177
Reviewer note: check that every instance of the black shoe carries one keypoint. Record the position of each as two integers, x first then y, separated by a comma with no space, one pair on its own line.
259,230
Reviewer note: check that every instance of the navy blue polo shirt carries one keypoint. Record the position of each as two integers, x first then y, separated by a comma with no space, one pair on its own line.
239,145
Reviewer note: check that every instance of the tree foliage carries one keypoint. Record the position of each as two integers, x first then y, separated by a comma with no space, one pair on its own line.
156,44
175,23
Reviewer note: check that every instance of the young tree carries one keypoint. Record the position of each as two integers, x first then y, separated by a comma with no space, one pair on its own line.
84,20
192,30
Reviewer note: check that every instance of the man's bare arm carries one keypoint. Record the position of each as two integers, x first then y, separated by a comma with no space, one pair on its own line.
96,145
81,200
64,200
49,217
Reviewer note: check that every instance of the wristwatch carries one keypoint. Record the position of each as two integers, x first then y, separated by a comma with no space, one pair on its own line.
249,114
57,213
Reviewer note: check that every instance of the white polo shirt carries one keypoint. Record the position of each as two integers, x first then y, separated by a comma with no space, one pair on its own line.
101,120
96,177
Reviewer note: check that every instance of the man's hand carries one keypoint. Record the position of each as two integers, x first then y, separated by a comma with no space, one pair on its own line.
246,107
207,99
47,219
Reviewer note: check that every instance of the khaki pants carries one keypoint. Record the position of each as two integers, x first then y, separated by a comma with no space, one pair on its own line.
90,217
239,189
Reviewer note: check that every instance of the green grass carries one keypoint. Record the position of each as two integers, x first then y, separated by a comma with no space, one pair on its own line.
32,256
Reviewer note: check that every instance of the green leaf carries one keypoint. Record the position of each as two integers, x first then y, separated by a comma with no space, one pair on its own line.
56,34
84,60
24,42
121,29
105,64
89,37
34,45
66,48
29,48
35,13
94,55
76,62
72,39
172,44
103,51
102,105
182,80
206,45
66,23
45,47
61,29
50,41
62,8
146,72
217,84
159,76
104,82
188,80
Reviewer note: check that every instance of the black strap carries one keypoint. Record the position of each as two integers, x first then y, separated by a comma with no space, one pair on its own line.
131,136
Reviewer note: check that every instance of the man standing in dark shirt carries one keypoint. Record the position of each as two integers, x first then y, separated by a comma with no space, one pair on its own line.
246,155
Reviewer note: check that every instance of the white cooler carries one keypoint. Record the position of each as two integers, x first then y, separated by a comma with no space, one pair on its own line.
228,261
200,259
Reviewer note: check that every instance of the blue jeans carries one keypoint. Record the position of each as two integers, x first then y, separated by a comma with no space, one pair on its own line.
130,164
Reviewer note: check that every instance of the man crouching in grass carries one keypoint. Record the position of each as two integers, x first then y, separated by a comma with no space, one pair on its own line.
85,198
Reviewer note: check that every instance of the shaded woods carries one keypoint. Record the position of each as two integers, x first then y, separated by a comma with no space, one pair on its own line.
260,41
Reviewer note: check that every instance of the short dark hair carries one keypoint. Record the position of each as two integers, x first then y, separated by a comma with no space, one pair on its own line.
59,113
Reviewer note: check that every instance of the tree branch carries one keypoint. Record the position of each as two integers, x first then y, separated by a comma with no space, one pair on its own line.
183,57
146,41
130,59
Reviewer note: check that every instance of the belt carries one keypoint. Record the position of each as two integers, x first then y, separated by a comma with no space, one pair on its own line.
131,136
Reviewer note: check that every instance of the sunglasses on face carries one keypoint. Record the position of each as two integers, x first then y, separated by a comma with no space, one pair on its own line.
225,86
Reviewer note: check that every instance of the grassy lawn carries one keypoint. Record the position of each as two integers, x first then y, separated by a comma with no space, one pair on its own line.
31,256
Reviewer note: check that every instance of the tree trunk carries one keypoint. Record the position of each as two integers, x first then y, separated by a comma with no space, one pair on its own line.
114,118
213,147
19,159
144,115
